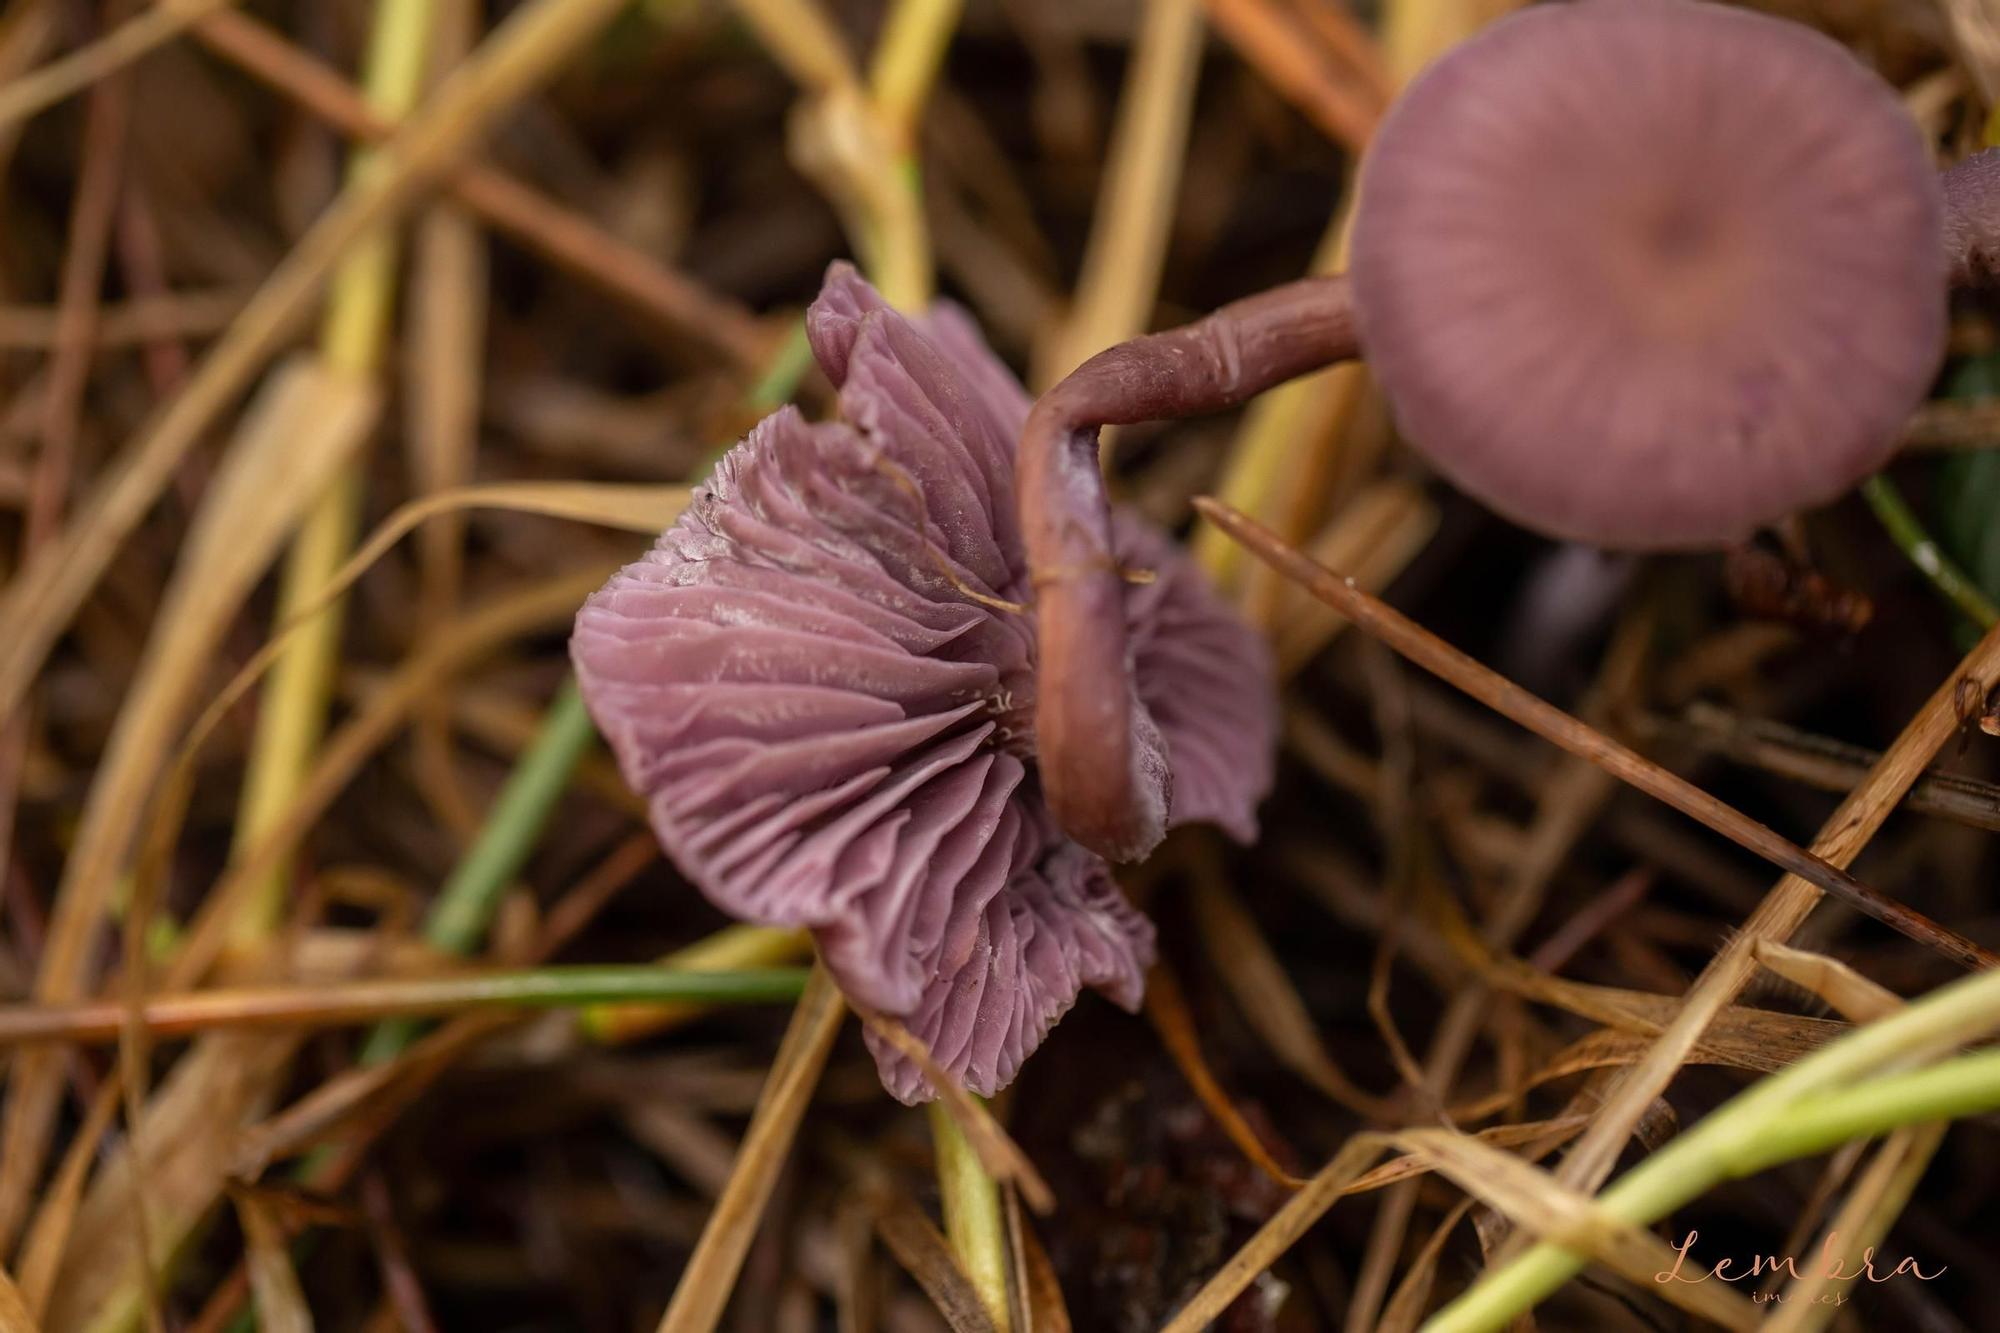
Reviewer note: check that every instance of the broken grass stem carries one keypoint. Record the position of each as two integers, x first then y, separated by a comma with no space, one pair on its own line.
1559,728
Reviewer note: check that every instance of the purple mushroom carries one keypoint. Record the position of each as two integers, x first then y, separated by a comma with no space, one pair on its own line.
1691,285
1640,273
1971,221
823,679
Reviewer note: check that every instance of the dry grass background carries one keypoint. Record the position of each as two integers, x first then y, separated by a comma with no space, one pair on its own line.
348,343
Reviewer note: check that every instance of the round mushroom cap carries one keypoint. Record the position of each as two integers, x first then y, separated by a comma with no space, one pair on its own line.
1650,273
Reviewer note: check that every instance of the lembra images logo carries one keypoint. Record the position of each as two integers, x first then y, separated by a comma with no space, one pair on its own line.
1830,1268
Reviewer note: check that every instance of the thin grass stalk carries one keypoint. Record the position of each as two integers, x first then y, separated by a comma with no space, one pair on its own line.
344,1003
1134,218
524,50
706,1282
443,357
292,717
733,947
465,905
1497,692
37,91
1915,542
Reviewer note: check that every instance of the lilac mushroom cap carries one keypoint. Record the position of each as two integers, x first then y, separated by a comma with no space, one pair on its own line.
823,681
1972,218
1650,273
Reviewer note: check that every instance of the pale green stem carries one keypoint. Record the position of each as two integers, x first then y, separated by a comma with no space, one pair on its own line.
972,1217
1968,1085
732,947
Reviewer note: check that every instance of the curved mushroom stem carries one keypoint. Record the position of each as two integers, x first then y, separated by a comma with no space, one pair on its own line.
1102,767
1972,219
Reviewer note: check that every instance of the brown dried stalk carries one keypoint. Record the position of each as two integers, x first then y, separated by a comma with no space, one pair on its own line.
1559,728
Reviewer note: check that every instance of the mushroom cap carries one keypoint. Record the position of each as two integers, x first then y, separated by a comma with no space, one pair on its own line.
1650,273
1972,218
822,681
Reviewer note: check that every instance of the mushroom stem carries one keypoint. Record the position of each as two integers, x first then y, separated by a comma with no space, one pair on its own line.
1100,776
1972,219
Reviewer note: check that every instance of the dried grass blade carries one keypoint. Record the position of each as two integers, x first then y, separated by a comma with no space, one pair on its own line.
1559,728
527,47
1135,207
1747,1038
464,641
1344,104
1040,1291
299,433
42,88
711,1271
174,314
274,1287
1870,1209
1606,1048
1376,534
328,1108
1277,1235
1265,995
686,1142
637,508
537,606
1406,1306
185,1139
566,237
927,1257
14,1315
1841,839
1852,994
403,1290
444,357
1533,1200
995,1148
1545,1134
631,508
384,1090
1167,1009
43,1249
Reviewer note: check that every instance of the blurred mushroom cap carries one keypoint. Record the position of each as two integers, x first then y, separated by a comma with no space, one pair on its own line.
1650,273
822,679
